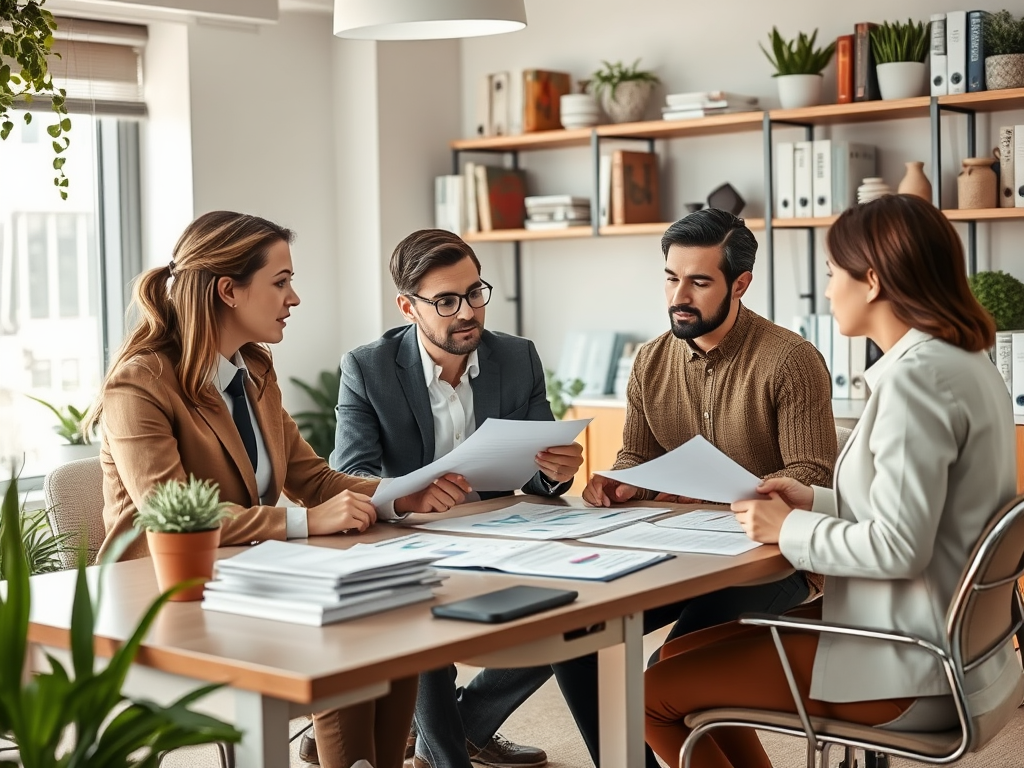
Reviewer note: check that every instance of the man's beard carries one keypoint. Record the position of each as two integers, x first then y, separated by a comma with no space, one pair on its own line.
699,327
449,343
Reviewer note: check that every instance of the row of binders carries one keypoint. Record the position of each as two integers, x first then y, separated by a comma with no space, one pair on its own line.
1011,166
820,177
957,57
847,358
480,199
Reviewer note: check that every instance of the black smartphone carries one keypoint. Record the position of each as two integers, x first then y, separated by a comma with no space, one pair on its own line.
505,604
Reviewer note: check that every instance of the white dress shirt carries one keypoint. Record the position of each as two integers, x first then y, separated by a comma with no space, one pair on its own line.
295,527
451,408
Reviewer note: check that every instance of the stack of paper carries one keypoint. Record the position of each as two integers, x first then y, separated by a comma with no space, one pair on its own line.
544,521
704,532
683,106
302,584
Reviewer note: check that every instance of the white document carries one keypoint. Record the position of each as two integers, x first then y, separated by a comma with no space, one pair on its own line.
723,521
544,521
650,536
695,469
527,558
499,456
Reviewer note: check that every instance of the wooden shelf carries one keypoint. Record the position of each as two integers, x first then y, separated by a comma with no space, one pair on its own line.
578,137
856,112
983,214
986,101
736,122
806,223
511,235
652,228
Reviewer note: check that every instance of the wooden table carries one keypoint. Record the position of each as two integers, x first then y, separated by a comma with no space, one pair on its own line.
275,671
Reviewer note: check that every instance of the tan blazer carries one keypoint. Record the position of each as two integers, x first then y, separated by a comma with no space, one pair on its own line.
929,463
152,434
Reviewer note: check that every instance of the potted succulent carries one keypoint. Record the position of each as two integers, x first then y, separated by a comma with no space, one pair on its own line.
79,718
560,393
900,50
319,425
1002,295
798,65
71,426
182,523
623,91
1004,51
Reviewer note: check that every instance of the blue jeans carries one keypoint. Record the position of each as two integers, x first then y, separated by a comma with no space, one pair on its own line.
447,717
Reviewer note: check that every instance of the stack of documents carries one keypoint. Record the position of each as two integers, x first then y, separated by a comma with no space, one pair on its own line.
302,584
544,521
705,532
683,106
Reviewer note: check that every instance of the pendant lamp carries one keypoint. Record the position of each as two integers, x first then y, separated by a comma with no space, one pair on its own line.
426,19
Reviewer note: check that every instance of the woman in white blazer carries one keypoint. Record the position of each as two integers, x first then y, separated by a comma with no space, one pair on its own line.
928,464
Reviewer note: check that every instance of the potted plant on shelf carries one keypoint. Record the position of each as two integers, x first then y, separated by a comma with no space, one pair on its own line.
623,91
899,50
1002,295
798,65
319,425
1004,51
70,426
182,523
79,718
560,393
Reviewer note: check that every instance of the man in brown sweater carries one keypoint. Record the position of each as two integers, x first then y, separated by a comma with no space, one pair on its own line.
759,393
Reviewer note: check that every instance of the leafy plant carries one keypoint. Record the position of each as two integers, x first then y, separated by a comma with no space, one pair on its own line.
37,711
72,421
179,506
611,76
798,57
560,393
318,426
42,548
1003,296
1003,34
900,42
26,42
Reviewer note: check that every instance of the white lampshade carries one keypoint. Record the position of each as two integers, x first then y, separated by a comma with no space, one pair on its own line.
426,19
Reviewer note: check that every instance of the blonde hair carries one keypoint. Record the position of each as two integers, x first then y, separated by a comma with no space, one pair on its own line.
177,304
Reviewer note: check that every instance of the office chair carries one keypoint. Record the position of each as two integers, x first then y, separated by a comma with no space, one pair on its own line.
842,436
977,625
74,505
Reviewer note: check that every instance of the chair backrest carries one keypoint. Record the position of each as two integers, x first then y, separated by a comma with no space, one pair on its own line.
74,501
842,435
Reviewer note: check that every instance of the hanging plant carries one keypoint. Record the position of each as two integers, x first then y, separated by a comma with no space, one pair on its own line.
26,45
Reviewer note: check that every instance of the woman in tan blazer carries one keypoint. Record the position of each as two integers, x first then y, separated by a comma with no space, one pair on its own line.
930,461
205,321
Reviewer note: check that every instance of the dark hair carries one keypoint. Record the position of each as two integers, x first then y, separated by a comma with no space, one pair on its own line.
710,227
919,261
424,250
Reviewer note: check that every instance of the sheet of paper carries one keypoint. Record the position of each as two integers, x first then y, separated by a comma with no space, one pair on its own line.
651,536
695,469
543,521
528,558
704,520
499,456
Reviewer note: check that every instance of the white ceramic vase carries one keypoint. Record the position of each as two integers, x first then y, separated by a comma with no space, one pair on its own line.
872,188
797,91
902,79
578,110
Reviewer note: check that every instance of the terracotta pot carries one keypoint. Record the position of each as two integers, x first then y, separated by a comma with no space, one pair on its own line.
179,557
1006,71
977,185
915,182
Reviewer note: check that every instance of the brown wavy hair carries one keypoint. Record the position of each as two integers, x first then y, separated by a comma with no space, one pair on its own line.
177,305
919,261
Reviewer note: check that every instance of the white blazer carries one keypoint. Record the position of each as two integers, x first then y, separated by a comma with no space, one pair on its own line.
929,462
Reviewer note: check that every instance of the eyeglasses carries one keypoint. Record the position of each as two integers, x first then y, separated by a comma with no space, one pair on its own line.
450,303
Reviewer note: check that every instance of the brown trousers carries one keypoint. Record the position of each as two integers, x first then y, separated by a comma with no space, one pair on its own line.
738,666
374,730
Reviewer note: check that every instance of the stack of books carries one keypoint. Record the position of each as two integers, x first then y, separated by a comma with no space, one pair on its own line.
684,106
309,585
557,212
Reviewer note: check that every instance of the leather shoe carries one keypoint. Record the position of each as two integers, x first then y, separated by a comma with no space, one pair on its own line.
499,752
307,748
416,762
410,746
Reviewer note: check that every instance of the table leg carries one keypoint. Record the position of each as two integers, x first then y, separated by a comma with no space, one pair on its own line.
264,724
621,695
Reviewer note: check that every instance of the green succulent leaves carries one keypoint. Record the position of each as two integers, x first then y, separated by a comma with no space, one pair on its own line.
897,42
1003,296
799,56
610,75
183,507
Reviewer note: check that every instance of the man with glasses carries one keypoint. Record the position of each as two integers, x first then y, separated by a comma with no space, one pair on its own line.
409,398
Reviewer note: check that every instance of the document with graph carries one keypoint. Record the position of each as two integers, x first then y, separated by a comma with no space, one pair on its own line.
544,521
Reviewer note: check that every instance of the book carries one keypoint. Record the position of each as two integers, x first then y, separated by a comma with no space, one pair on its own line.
704,98
844,69
1017,373
500,194
803,190
448,203
976,21
784,207
1018,166
821,180
499,104
535,225
1004,357
1006,167
865,78
542,93
937,60
635,197
536,201
688,113
604,191
593,358
472,216
956,52
840,363
851,163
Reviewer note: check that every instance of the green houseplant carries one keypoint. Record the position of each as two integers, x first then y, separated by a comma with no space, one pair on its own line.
37,711
623,91
318,425
798,65
42,548
182,523
70,422
26,47
899,50
560,393
1004,51
1002,295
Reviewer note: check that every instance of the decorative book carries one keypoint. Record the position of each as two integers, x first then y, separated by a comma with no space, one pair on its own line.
635,198
500,194
542,93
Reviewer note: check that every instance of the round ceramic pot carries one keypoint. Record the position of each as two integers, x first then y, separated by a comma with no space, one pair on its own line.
1006,71
629,103
179,557
977,184
873,188
914,182
578,110
902,79
797,91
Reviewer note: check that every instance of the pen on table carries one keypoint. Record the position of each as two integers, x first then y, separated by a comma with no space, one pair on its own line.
585,558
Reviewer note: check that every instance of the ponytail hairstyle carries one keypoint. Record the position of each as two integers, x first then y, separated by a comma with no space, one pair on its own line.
177,305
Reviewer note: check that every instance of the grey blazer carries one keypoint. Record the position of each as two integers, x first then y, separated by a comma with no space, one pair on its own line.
385,428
